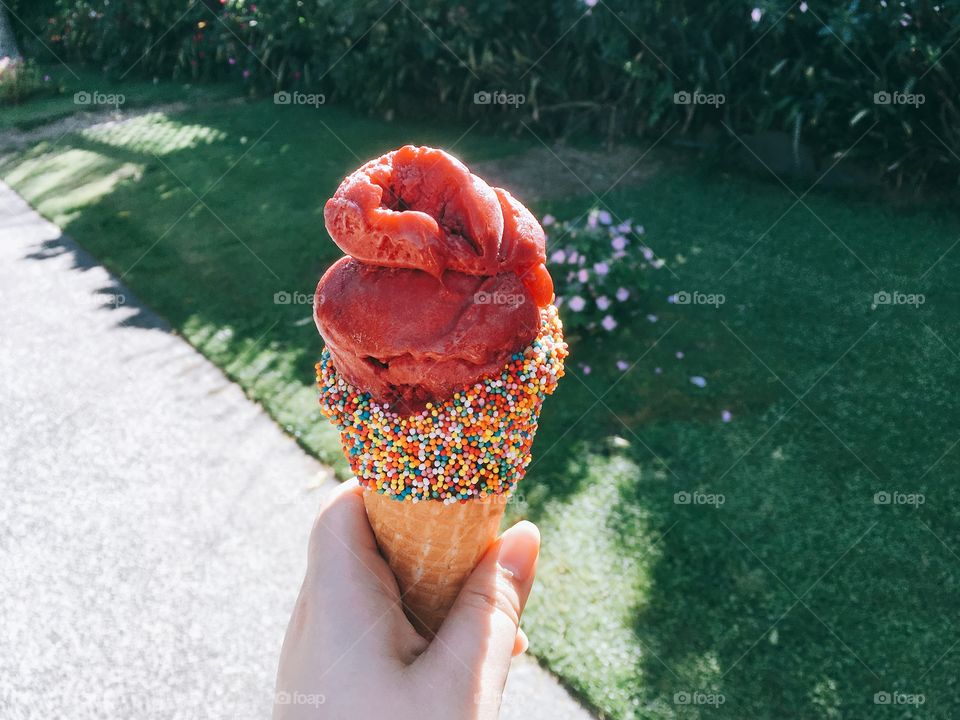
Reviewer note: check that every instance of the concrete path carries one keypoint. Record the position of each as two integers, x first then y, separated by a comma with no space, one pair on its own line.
153,520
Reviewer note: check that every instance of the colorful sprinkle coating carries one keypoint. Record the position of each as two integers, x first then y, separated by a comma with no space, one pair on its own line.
472,445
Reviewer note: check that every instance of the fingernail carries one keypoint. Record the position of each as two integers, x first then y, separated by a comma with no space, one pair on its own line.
524,642
519,547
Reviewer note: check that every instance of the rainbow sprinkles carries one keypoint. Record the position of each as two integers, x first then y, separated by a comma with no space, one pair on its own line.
472,445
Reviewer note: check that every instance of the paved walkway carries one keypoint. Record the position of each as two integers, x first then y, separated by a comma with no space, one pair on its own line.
153,520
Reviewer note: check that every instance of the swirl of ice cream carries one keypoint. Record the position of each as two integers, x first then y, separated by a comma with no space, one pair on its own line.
442,283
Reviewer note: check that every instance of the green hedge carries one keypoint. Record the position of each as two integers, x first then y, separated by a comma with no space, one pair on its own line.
613,69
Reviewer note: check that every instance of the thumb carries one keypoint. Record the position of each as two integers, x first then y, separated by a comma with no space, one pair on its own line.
477,639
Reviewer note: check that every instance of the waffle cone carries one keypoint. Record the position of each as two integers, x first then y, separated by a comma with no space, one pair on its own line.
432,548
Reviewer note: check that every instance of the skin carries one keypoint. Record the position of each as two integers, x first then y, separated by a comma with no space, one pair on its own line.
350,651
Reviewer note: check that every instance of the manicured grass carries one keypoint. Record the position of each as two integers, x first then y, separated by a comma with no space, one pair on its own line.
799,596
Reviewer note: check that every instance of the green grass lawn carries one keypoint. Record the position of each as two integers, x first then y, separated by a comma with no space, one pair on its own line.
799,596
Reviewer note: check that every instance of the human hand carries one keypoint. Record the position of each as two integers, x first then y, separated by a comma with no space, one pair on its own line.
351,653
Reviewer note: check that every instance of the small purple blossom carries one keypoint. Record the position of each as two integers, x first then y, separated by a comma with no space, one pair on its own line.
586,369
639,229
726,416
619,243
548,220
803,8
603,302
558,257
591,221
246,74
623,365
647,253
601,268
583,275
756,14
679,354
623,227
652,318
699,381
577,303
573,257
657,371
590,3
619,254
622,294
232,61
604,217
672,299
608,323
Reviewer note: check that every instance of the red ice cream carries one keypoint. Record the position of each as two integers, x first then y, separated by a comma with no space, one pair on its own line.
443,283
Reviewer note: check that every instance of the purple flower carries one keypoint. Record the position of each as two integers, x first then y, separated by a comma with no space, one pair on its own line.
46,78
647,253
619,254
558,300
726,416
639,230
652,318
232,61
619,242
577,303
756,14
623,365
657,371
603,302
548,220
246,74
586,369
624,227
558,257
601,268
572,257
699,381
590,3
604,217
672,299
583,275
591,220
608,323
622,294
803,8
679,354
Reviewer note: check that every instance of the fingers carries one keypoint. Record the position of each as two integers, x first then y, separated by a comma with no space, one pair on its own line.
343,550
480,634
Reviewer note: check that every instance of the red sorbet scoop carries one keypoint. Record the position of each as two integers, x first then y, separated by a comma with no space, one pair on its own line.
444,281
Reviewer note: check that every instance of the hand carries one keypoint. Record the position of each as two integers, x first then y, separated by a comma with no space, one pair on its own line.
351,653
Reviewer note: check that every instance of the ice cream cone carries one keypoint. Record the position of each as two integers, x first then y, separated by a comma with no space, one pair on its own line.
432,548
